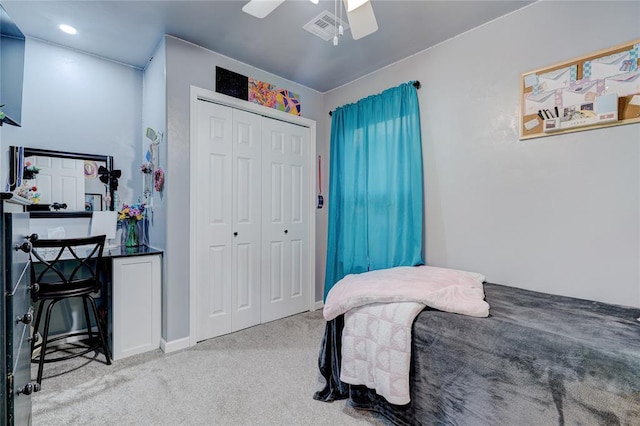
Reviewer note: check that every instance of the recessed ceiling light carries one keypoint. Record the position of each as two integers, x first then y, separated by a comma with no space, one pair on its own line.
68,29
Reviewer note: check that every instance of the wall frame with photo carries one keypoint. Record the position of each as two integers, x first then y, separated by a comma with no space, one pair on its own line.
596,90
93,202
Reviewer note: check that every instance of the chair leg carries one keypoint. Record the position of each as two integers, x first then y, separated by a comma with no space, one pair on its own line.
101,331
45,336
86,317
36,326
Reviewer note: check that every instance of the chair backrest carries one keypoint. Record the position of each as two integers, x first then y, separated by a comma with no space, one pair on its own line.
66,267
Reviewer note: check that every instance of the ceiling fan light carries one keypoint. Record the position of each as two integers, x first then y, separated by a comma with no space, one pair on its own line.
362,20
314,1
354,4
261,8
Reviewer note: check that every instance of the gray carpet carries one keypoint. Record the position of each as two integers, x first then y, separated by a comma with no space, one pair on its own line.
264,375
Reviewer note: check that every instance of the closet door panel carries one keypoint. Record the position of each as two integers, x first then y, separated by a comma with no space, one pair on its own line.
218,273
275,245
284,224
297,251
277,191
243,259
214,220
246,201
276,276
298,212
297,202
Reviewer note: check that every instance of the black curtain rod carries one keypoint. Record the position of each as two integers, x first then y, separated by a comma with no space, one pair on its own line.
416,84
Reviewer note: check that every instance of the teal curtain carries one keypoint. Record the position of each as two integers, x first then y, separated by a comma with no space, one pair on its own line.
375,185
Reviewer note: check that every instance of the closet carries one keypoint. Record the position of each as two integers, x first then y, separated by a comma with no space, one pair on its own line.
250,235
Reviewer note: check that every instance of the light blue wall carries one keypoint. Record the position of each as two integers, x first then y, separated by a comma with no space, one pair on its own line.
154,115
558,214
81,103
186,65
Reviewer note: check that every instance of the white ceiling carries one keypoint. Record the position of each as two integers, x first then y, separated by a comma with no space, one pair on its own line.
129,31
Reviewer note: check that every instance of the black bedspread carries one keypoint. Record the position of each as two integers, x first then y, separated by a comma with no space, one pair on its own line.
538,359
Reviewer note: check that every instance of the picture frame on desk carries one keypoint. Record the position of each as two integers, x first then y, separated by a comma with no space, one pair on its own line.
93,202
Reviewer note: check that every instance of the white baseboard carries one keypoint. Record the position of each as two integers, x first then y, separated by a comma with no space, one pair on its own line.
319,305
174,345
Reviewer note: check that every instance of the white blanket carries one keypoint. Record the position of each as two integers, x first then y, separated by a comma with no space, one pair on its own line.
444,289
380,307
376,348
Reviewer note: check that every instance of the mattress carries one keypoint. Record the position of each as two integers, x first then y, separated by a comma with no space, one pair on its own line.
537,359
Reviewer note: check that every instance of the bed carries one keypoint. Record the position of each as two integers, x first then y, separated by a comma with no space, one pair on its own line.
537,359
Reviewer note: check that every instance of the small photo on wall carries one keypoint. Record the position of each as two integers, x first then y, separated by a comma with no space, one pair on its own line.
93,202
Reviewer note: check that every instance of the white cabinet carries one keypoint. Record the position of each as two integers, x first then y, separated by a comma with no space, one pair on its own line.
251,219
137,284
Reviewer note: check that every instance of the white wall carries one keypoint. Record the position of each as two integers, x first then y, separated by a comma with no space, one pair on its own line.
558,214
187,65
76,102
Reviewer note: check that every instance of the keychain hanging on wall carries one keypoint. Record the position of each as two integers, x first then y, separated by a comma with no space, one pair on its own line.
158,179
320,197
158,173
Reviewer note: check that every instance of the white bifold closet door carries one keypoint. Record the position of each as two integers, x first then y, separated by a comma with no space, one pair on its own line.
251,219
284,225
228,220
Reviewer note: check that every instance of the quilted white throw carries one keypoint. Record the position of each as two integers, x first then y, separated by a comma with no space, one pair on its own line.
376,348
380,307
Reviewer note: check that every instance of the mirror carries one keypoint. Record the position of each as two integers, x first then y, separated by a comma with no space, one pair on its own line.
12,47
64,181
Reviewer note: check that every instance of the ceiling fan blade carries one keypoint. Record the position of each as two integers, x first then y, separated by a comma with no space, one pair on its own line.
354,4
261,8
361,19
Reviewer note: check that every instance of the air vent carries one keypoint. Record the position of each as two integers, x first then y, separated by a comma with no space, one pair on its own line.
324,25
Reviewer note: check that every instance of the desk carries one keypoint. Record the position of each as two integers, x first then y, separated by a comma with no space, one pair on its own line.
129,304
132,287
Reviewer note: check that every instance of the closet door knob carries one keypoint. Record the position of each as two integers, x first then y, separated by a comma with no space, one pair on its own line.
235,234
286,231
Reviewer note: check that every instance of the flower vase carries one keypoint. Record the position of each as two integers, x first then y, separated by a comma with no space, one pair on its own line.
132,239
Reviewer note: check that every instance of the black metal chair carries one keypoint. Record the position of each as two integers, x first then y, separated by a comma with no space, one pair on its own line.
62,269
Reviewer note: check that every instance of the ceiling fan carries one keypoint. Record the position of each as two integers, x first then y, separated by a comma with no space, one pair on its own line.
359,14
